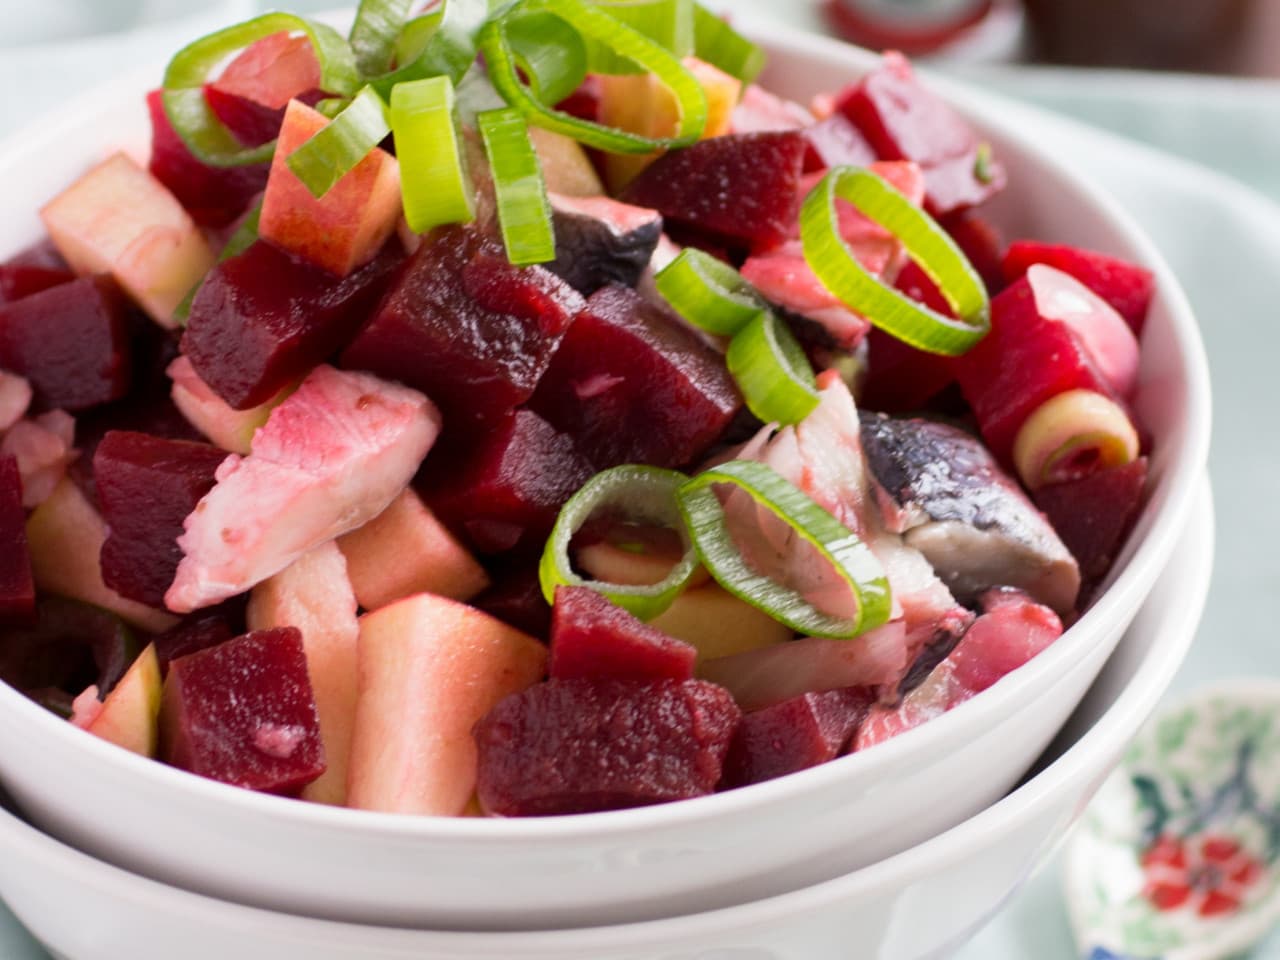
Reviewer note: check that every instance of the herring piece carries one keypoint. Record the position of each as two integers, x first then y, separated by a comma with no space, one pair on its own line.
601,241
330,458
944,492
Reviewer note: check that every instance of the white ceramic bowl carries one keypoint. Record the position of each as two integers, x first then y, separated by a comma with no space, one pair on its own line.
637,864
920,903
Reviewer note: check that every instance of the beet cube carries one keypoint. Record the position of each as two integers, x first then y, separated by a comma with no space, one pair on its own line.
595,639
743,187
243,713
71,342
34,269
465,327
795,734
263,319
214,196
147,486
579,746
631,384
1094,514
903,120
1024,361
1126,286
515,597
836,142
982,244
901,378
201,630
506,484
17,590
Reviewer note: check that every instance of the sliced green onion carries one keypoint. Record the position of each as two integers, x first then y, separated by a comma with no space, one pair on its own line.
929,245
669,23
849,557
337,147
524,212
434,183
772,371
240,241
721,46
443,43
184,79
639,494
708,292
550,53
374,33
596,25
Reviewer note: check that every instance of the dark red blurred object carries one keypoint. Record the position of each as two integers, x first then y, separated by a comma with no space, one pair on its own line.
914,28
17,590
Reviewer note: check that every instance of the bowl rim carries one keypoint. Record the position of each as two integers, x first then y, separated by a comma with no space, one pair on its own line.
1186,577
1181,482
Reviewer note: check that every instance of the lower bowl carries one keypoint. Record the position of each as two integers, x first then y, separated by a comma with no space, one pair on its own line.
921,903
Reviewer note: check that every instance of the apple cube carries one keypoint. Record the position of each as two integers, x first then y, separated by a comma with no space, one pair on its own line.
17,589
406,550
43,449
566,168
121,220
15,398
314,595
594,639
718,624
243,713
65,535
430,669
348,225
272,71
579,746
130,715
230,429
794,735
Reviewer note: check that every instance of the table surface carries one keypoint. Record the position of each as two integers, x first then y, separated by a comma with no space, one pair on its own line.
1223,239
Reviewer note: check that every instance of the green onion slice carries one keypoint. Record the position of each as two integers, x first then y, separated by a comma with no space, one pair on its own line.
240,241
721,46
596,25
639,494
850,558
708,292
772,371
440,43
374,33
184,79
929,245
336,148
434,183
524,212
549,52
669,23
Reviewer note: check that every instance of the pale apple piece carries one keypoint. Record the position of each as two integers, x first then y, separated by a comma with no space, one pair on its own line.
346,227
406,550
635,556
65,536
314,595
430,669
640,103
43,448
130,715
15,397
719,624
121,220
566,168
226,427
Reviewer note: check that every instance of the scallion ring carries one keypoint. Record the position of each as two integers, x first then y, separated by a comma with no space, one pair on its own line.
636,493
708,292
723,47
442,43
772,371
434,183
669,23
850,558
524,212
376,31
339,146
929,245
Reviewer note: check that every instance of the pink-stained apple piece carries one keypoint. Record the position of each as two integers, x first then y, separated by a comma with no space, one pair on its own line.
430,669
129,716
119,219
43,449
230,429
15,398
314,595
331,457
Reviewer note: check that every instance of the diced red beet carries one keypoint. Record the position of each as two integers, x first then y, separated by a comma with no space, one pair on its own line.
214,196
903,120
742,186
794,735
465,327
243,713
70,646
1094,514
836,142
584,102
578,746
631,384
147,487
71,342
593,638
17,589
1126,286
263,319
1011,630
201,630
901,378
252,123
272,70
1024,361
504,486
37,268
515,597
982,244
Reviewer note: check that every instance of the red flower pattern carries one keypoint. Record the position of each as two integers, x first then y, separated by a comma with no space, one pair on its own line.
1210,874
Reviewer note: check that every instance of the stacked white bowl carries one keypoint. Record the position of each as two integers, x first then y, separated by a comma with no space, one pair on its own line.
875,849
